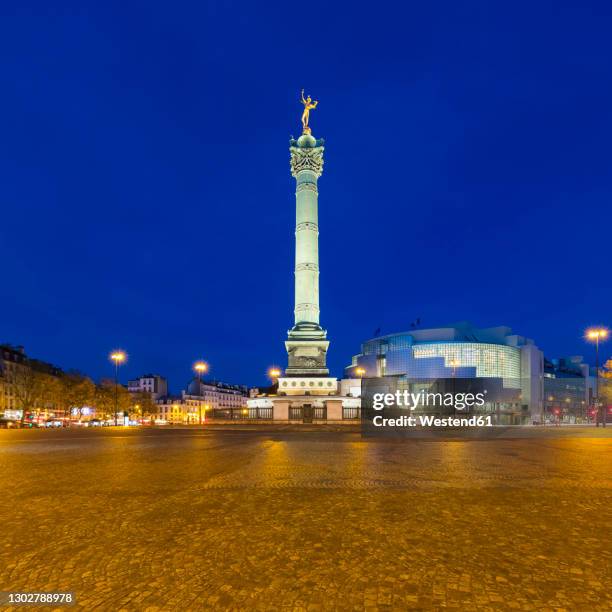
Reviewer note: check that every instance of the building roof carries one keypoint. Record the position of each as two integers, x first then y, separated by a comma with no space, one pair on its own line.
462,331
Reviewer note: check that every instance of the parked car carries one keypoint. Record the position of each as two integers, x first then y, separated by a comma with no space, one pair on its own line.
54,423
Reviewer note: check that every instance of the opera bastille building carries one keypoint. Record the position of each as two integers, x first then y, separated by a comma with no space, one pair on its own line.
510,366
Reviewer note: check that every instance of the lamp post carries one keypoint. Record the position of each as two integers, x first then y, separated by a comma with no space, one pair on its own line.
200,367
274,374
117,357
596,335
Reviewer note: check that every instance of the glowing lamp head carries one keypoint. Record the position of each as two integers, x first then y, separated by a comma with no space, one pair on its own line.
274,372
118,357
360,372
200,367
597,333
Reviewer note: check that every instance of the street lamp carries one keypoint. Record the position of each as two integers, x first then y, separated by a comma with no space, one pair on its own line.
597,335
360,372
117,357
274,374
200,367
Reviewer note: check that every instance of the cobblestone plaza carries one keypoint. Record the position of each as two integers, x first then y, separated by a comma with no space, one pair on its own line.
272,518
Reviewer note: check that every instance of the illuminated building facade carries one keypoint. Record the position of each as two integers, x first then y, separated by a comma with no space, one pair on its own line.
568,390
154,384
204,399
463,351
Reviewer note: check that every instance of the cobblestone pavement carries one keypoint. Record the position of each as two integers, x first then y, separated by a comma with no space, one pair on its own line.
188,519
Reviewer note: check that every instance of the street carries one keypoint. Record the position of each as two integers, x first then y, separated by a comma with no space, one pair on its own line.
183,519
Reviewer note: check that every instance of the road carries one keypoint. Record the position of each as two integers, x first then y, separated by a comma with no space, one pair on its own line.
184,519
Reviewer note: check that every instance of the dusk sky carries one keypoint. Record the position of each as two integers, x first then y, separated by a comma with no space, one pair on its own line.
147,202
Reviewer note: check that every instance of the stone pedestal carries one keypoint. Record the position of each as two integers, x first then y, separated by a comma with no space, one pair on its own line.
334,409
280,410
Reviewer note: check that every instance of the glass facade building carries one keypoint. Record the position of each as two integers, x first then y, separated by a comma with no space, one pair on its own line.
510,363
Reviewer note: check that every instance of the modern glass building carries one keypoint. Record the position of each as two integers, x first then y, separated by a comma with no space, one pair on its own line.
513,364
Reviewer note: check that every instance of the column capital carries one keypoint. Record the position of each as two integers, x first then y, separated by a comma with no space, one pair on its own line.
306,158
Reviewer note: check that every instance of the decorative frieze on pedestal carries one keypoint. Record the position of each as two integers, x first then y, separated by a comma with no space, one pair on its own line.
307,385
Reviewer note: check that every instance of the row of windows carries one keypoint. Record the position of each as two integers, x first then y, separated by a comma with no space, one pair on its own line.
446,359
490,360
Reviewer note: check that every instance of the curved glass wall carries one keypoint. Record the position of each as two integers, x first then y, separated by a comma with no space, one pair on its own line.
489,360
395,355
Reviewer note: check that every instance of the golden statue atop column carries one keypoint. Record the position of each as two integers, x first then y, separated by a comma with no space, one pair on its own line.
308,106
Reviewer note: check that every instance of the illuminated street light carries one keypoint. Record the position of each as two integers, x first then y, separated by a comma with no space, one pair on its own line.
200,367
274,373
117,357
360,372
597,335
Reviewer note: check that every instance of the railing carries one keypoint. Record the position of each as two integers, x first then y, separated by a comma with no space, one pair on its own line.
234,414
319,413
351,413
296,413
260,413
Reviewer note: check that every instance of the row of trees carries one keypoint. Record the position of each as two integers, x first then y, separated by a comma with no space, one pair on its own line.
67,393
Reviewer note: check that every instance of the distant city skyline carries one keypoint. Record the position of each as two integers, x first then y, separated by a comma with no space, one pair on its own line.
147,202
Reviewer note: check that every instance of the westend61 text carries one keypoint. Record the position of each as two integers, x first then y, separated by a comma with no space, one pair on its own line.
431,421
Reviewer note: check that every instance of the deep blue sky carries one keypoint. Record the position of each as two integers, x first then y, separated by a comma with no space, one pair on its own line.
146,200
